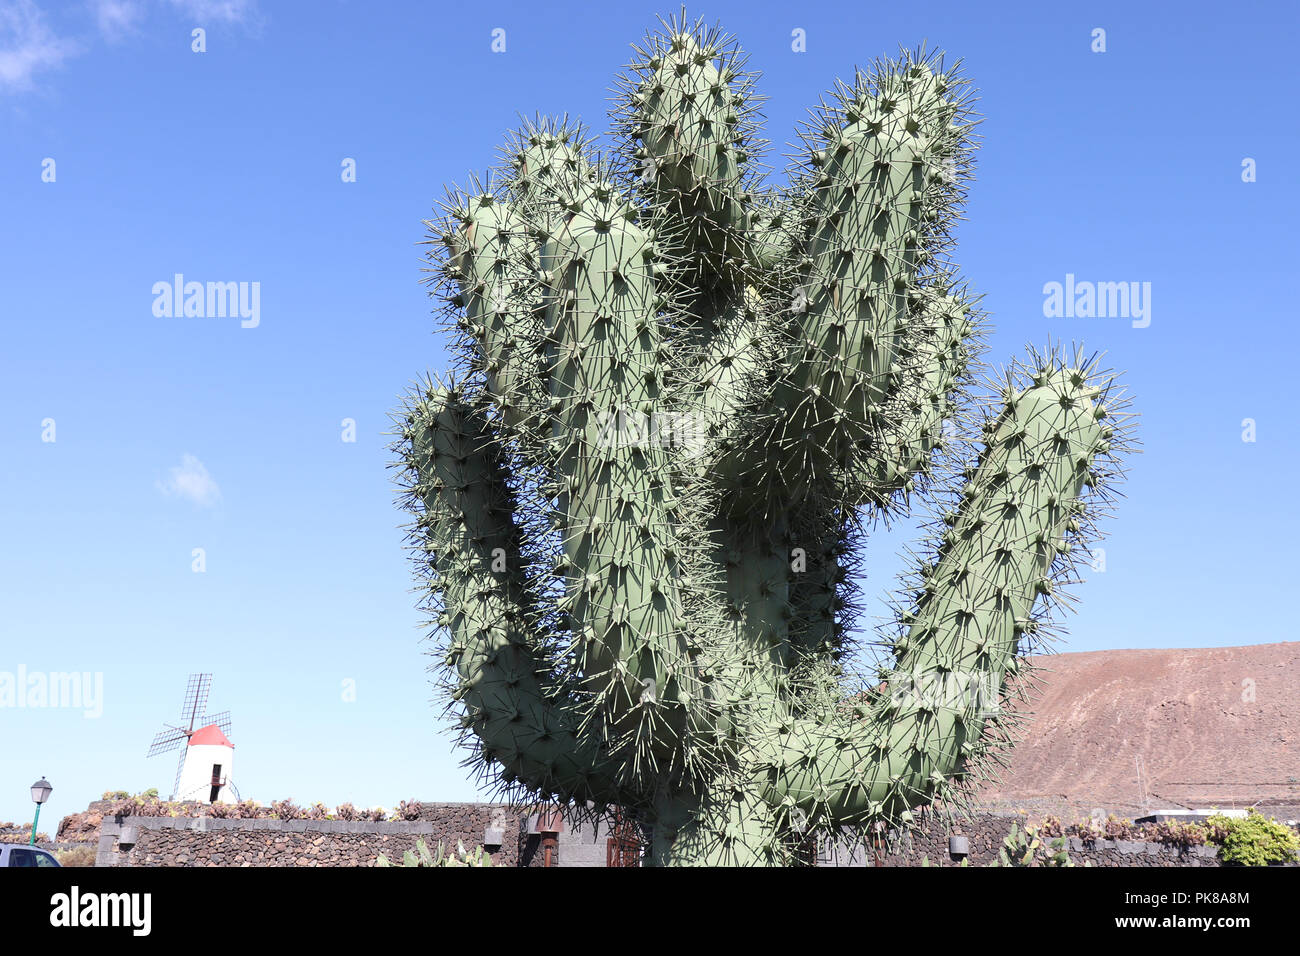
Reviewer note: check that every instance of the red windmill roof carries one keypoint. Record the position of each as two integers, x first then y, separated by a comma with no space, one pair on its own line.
210,735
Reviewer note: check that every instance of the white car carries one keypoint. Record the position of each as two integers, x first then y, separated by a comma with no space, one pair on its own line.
16,854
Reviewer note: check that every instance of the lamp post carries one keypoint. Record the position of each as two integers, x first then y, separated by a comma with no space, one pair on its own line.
547,824
41,791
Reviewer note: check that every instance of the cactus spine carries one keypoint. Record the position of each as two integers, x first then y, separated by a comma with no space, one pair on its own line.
683,398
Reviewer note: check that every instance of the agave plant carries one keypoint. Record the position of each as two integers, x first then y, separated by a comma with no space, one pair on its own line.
423,856
683,398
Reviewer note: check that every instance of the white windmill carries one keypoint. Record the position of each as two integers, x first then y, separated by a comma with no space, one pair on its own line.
203,772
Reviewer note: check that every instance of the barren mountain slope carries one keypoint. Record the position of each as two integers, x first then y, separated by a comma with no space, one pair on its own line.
1193,728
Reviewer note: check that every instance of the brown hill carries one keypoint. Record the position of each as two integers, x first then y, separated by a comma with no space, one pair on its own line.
1131,730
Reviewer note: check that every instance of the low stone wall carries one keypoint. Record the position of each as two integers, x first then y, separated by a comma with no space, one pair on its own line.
986,833
204,841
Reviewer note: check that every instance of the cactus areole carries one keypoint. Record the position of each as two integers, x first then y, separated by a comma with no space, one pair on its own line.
683,397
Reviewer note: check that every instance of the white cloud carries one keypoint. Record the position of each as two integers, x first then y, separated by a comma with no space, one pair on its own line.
190,480
27,45
117,18
230,11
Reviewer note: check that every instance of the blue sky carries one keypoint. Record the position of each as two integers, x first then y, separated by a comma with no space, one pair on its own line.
173,434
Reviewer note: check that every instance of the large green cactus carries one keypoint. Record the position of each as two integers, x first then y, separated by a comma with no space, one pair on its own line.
683,400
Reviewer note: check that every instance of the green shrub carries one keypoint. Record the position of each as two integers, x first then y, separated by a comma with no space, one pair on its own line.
423,857
147,805
77,856
1256,840
1019,847
150,794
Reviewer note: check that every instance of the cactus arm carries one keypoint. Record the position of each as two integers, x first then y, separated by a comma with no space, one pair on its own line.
686,117
995,561
588,334
732,373
726,379
875,221
547,164
685,102
493,259
468,526
934,357
493,238
860,264
616,499
772,238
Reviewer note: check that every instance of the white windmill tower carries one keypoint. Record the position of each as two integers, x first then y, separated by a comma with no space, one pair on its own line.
203,772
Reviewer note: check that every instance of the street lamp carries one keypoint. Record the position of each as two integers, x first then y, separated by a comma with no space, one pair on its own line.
41,791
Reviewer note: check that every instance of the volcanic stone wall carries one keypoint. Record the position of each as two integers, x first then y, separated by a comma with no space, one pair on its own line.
985,834
204,841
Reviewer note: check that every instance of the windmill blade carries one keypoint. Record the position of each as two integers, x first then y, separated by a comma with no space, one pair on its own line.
176,784
166,740
222,720
196,697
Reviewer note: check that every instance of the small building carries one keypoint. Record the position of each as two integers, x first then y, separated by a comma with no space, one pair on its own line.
205,776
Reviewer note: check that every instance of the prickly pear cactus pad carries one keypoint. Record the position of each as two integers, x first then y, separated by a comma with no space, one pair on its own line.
683,398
